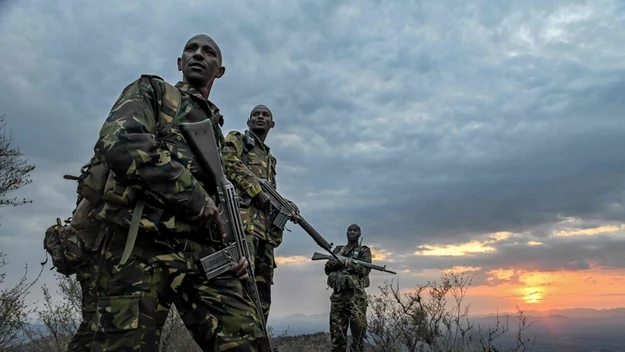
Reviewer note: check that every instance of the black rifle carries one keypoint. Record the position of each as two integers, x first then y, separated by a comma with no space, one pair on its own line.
201,139
320,256
284,211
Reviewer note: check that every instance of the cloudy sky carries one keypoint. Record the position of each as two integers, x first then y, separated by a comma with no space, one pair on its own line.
481,134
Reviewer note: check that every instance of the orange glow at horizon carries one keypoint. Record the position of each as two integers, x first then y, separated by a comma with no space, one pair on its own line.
597,287
505,289
593,288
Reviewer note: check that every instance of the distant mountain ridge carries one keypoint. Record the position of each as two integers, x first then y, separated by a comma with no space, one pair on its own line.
568,313
297,324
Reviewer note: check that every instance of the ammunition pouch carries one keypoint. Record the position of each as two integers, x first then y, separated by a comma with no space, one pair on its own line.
66,248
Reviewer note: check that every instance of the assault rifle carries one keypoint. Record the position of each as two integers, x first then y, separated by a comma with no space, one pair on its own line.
284,211
342,259
201,139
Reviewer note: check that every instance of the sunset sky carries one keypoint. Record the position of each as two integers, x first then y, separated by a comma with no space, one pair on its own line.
480,134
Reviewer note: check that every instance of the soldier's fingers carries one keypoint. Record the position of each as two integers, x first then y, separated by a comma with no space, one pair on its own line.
243,262
240,269
236,268
241,273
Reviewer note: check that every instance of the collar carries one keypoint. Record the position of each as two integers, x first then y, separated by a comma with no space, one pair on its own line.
186,87
265,146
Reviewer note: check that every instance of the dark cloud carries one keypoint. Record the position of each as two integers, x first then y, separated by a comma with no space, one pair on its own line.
425,123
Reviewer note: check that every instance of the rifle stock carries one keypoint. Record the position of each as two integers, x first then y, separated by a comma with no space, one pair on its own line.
320,256
201,139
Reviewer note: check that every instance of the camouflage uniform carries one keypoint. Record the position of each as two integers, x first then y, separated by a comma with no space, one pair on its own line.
149,155
81,341
245,163
349,299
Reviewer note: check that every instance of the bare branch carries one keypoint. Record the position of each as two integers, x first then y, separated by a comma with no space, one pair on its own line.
14,171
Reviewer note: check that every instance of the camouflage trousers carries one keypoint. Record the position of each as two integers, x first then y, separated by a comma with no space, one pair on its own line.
81,341
348,308
134,298
264,265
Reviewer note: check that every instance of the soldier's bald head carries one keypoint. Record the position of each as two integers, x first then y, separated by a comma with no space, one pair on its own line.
261,107
209,39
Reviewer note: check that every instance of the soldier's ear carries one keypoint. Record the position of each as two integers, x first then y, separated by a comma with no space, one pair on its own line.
179,64
221,72
248,123
273,124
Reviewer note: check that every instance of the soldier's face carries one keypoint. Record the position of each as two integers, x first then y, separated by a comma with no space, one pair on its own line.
261,120
200,62
353,233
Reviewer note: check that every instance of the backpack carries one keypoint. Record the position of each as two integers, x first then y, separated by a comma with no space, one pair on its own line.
69,246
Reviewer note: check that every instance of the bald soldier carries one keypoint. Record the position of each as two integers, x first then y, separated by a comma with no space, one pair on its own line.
247,157
154,166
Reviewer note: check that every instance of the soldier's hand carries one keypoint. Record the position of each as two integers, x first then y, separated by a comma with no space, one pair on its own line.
294,216
333,263
211,215
262,200
240,269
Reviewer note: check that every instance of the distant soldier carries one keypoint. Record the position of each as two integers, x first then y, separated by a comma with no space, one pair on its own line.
349,299
247,158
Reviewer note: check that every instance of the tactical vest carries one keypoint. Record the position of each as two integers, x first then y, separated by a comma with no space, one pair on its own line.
69,246
342,280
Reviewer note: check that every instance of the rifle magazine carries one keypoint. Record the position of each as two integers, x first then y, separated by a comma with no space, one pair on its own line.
219,262
280,220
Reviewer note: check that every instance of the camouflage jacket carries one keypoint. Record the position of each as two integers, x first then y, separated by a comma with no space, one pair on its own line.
149,154
352,277
259,164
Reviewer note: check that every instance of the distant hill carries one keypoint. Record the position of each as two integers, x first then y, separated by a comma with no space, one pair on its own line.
298,324
571,313
565,330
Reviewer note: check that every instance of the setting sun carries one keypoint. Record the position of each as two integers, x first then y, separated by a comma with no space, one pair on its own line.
532,295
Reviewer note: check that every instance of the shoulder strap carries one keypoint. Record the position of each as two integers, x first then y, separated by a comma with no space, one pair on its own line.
248,143
171,99
171,102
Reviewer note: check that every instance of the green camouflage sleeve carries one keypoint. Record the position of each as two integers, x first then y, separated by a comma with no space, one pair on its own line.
127,144
236,171
365,256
